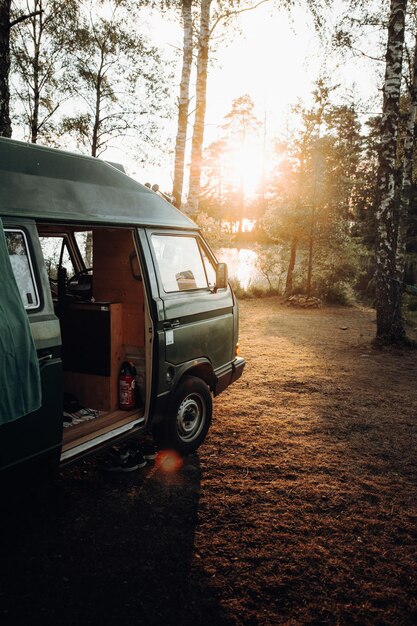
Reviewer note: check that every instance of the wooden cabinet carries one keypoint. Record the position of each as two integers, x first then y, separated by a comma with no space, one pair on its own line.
92,336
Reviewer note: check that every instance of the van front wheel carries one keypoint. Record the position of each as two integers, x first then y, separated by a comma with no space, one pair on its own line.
189,418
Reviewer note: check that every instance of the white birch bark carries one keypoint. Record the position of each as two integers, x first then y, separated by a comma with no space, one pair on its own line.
407,174
183,102
388,291
200,108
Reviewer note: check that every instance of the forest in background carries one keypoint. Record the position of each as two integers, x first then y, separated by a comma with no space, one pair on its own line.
332,212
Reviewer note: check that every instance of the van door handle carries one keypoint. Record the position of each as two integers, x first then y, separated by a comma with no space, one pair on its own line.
171,324
45,357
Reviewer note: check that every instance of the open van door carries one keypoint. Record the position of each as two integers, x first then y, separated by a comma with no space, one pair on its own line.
30,377
199,316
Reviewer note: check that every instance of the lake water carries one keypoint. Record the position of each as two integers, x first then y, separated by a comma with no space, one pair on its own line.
241,263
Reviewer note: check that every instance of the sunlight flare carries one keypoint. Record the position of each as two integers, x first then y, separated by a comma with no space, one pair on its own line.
168,461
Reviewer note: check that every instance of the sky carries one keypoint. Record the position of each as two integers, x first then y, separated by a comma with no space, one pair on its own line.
274,58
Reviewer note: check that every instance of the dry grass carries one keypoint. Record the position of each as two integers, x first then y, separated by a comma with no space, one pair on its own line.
300,508
317,473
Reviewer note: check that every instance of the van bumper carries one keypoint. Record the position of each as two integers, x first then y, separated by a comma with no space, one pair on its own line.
228,375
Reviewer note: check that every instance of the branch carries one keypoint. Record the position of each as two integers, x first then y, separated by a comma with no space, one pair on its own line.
87,100
232,13
22,18
367,56
48,116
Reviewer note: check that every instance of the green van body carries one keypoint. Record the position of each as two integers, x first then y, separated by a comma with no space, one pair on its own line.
190,334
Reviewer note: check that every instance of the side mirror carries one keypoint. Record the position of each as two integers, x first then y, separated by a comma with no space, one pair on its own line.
221,276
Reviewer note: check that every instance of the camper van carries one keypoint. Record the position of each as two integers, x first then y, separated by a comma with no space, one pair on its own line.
115,317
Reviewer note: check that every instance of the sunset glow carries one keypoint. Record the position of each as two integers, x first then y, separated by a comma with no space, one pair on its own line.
247,168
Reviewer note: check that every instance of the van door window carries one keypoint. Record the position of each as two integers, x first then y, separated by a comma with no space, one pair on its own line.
180,263
22,268
210,270
56,254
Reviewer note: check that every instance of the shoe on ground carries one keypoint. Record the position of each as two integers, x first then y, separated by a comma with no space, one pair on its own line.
124,461
148,451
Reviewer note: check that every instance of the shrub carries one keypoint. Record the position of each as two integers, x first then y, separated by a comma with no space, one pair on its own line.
237,288
254,290
261,291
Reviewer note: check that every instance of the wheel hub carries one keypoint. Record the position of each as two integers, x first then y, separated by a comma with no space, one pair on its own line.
190,417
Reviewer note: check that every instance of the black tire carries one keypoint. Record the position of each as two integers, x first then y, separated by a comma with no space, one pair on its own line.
188,421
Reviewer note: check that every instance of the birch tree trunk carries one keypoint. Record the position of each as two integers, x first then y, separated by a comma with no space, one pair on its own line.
200,108
37,29
390,328
183,102
407,174
5,123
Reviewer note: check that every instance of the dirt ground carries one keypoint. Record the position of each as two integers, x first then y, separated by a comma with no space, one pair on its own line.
300,508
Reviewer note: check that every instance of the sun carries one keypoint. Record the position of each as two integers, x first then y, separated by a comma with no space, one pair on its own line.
248,167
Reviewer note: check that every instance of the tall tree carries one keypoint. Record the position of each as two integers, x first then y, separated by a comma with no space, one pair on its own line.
6,24
223,14
117,81
200,107
183,101
215,201
5,123
408,162
315,191
240,123
390,326
225,11
41,47
228,165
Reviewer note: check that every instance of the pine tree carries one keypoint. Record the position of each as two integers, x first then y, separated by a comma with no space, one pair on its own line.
315,194
240,123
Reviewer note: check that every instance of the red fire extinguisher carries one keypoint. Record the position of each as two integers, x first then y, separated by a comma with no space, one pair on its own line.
127,395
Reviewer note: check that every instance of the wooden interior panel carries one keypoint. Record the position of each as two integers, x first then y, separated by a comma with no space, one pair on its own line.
121,300
113,280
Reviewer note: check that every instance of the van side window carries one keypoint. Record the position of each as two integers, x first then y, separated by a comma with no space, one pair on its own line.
22,268
180,263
